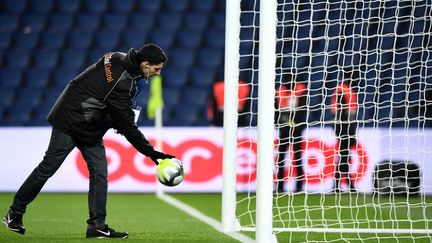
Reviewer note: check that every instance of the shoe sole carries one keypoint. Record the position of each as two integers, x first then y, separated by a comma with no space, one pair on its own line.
12,229
106,237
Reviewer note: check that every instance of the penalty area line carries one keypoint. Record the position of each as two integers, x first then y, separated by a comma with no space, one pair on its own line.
202,217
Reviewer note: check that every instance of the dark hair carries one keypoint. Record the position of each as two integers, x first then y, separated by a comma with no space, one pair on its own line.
151,53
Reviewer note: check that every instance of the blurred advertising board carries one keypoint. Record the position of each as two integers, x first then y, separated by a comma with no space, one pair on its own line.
200,149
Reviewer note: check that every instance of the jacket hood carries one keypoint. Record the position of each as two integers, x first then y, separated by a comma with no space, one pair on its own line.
131,63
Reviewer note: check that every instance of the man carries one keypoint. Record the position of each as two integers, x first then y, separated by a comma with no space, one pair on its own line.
101,97
291,121
344,107
215,105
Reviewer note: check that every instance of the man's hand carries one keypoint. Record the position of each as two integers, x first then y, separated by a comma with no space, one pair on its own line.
156,155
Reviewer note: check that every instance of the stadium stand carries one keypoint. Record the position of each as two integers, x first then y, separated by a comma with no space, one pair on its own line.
44,43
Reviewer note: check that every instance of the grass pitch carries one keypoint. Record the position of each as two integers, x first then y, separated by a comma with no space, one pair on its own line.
61,217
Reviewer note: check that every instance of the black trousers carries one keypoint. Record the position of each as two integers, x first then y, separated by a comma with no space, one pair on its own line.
346,135
59,147
290,135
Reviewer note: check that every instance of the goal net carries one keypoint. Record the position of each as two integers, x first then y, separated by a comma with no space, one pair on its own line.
352,120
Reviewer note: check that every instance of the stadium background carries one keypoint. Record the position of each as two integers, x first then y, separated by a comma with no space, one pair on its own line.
46,43
43,44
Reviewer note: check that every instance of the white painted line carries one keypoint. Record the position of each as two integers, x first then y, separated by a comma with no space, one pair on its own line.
202,217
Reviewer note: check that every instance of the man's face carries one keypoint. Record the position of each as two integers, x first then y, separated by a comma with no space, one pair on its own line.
150,70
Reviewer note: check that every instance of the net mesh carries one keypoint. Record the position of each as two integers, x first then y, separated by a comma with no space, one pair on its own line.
353,120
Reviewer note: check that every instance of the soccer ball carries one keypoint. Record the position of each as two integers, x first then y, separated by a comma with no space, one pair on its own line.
170,172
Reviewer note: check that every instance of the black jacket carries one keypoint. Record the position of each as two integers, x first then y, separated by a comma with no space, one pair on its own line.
99,98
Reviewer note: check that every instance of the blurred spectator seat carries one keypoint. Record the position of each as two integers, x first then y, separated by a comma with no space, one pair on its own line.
17,58
40,114
68,6
5,40
163,38
245,62
149,6
29,96
210,57
202,77
50,95
107,40
63,75
189,38
17,115
166,114
122,6
141,22
114,21
33,22
171,97
184,114
79,40
217,20
37,78
169,21
248,34
41,6
7,96
176,6
45,58
203,6
183,57
60,22
196,96
8,22
132,38
215,38
72,58
175,77
14,6
95,6
196,21
87,21
52,40
10,78
25,41
95,54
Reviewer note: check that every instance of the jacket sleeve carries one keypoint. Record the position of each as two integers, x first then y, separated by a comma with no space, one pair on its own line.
119,103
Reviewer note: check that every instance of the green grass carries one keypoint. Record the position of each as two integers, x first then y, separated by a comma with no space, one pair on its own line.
61,217
305,210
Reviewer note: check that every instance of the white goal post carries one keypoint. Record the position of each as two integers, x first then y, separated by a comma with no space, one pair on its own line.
364,72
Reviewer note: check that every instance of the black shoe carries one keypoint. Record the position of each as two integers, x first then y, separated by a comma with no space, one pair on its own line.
13,221
105,232
353,190
336,190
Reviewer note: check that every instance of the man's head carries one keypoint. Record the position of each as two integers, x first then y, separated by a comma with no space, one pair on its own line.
151,59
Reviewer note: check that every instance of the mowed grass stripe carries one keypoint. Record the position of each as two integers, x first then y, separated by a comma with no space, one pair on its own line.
293,210
61,217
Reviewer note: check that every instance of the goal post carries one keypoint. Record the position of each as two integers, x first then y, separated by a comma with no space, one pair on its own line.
231,76
265,125
338,140
265,118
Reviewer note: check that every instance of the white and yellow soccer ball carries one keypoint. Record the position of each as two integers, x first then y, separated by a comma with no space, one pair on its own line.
170,172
